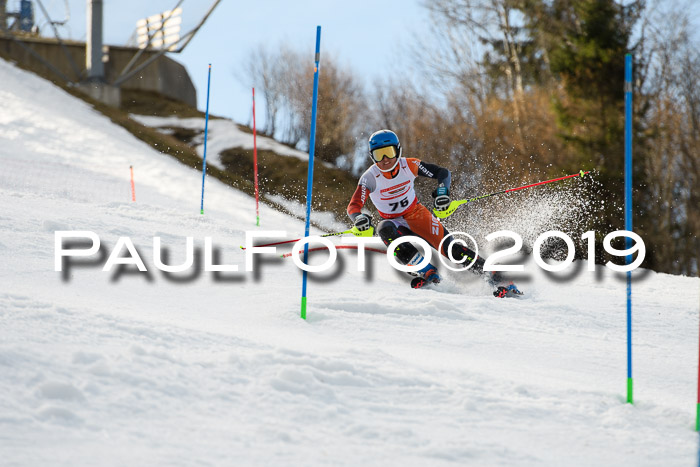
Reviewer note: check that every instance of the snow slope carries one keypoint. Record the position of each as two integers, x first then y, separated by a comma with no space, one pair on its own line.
121,367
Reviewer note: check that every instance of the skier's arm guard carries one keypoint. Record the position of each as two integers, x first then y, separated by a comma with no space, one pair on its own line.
441,174
359,198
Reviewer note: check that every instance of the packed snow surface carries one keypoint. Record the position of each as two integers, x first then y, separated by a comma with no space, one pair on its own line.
147,368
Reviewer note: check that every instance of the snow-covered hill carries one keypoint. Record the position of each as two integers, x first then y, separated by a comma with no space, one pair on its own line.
121,367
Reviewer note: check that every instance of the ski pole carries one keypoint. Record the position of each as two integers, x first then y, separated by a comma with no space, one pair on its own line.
358,233
338,247
457,203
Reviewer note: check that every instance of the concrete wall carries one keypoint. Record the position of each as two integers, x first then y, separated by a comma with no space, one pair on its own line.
164,75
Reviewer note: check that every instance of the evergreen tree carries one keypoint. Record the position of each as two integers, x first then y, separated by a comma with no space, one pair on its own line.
585,42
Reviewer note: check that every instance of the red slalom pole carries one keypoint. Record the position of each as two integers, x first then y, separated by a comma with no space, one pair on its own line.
255,165
133,189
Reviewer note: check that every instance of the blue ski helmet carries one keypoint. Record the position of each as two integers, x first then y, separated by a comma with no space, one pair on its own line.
381,139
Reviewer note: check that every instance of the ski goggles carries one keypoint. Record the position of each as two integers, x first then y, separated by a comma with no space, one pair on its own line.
387,151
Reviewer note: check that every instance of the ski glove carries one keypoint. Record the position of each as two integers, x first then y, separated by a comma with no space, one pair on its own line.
363,222
441,197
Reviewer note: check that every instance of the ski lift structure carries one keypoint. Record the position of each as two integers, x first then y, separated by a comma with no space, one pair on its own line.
158,31
25,25
23,18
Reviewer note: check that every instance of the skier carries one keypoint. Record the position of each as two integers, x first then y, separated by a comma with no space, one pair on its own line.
389,184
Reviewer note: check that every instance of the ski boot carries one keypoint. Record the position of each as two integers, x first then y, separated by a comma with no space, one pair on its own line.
507,290
427,275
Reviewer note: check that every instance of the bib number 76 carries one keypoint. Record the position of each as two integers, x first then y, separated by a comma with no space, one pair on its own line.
395,206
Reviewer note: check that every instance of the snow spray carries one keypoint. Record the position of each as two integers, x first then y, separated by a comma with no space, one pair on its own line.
454,205
566,208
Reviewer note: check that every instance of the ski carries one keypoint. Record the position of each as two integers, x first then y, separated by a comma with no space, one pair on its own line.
418,282
432,277
502,291
509,290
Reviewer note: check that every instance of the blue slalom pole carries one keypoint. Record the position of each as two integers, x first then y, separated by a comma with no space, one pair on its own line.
628,215
206,127
310,176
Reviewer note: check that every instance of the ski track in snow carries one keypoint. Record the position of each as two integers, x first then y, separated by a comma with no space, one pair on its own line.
109,368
